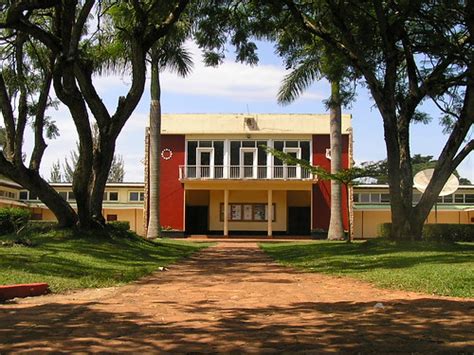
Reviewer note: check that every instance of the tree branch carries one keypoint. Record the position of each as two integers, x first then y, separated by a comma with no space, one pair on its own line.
8,119
40,144
80,22
162,30
97,107
468,148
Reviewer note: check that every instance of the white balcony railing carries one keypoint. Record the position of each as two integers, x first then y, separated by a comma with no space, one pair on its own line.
243,172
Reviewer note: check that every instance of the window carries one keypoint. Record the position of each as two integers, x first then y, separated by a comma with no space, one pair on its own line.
458,198
375,198
7,194
356,197
113,196
136,196
36,216
385,198
448,198
247,212
416,197
23,195
111,217
469,198
364,197
63,194
70,196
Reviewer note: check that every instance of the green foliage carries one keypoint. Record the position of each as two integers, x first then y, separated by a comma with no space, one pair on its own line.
433,268
13,220
119,225
345,176
448,232
419,162
117,169
55,173
385,230
116,173
68,259
443,232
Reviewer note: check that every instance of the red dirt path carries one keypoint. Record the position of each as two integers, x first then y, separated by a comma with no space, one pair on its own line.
233,298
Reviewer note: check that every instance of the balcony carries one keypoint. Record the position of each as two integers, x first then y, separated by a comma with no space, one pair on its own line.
243,172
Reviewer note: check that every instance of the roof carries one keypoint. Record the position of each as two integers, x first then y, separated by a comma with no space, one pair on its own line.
385,186
386,207
255,124
109,184
9,183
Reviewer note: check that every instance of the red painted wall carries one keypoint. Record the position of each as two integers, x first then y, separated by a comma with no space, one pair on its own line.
171,189
322,189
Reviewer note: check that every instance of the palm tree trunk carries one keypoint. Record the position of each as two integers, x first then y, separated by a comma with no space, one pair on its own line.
153,229
336,228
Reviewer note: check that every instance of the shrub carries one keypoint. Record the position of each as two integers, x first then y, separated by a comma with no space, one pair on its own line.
449,232
384,230
439,232
13,219
119,225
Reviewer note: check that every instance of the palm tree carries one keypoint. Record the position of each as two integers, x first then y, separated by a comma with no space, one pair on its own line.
304,74
166,54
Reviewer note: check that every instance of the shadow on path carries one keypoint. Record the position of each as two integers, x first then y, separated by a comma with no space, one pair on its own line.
235,299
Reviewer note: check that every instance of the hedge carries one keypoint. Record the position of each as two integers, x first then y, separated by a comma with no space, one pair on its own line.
439,232
13,219
119,225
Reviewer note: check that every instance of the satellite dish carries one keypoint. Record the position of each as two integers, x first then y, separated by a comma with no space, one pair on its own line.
422,179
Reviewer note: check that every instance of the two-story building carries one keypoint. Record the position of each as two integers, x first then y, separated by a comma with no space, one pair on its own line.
217,178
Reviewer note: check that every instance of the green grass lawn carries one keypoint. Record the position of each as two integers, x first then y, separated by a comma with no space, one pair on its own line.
67,260
434,268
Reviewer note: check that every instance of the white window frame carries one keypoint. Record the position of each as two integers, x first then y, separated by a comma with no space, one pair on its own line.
244,150
139,194
199,151
298,156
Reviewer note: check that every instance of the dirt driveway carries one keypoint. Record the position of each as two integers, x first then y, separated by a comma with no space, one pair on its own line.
232,298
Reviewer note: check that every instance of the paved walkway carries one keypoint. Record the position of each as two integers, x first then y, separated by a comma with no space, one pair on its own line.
232,298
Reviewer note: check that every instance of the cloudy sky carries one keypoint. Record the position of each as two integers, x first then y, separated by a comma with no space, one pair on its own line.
238,88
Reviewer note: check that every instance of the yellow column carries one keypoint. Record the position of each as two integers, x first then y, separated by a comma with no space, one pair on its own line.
226,213
270,213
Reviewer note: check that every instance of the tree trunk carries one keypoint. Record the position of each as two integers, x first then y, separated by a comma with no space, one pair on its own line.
153,229
32,181
336,228
103,156
81,187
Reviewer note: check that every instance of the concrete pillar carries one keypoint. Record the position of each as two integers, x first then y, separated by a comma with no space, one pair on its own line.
270,213
226,213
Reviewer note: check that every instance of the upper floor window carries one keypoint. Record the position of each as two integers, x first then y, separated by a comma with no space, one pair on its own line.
375,197
111,196
205,153
136,196
71,196
7,194
28,196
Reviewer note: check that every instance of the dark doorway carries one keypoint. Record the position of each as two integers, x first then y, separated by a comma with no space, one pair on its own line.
197,219
299,220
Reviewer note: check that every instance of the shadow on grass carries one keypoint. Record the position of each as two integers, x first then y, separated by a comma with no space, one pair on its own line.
423,325
99,261
356,257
